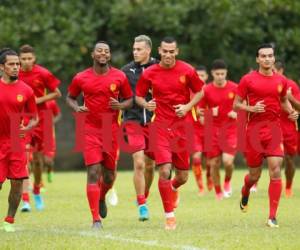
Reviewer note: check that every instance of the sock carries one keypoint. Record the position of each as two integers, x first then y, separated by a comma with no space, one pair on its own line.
288,184
141,200
197,169
36,189
275,187
93,193
227,179
146,194
9,219
25,197
218,189
247,185
165,190
104,189
175,184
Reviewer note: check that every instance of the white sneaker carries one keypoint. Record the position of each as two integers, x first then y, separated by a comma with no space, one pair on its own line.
112,197
227,194
253,189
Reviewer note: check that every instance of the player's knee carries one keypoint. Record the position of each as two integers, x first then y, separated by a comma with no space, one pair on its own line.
182,178
165,174
109,177
139,165
196,160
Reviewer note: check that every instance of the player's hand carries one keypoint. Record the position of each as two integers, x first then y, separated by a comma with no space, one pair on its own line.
114,104
259,107
23,130
215,111
151,105
232,114
293,115
200,112
181,110
81,109
201,120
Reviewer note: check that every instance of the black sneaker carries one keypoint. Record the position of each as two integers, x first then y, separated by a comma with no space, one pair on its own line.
102,209
244,204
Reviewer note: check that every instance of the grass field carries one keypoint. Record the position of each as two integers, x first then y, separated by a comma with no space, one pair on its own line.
202,222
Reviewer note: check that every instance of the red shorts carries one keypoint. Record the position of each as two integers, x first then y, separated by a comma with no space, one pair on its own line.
298,142
222,141
137,141
198,137
290,139
13,165
96,152
262,144
171,147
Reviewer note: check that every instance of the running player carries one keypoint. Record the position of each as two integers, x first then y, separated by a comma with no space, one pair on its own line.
266,94
143,161
15,98
101,86
218,97
289,133
39,79
170,81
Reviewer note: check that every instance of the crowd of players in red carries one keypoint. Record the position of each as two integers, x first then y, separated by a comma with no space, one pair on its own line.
171,118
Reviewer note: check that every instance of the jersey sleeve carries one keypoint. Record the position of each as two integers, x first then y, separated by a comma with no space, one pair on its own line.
125,89
295,89
242,89
285,84
74,88
51,81
195,83
143,86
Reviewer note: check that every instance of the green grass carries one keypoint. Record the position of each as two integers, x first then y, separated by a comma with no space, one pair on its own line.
203,223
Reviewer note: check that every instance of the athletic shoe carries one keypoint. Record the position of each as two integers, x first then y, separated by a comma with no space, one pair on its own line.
288,193
26,207
219,196
39,203
272,223
209,183
8,227
50,177
176,198
244,204
170,223
97,225
227,190
102,209
253,189
143,212
112,197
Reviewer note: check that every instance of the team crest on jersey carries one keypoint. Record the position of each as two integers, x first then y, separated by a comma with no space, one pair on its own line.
230,95
182,79
279,88
20,98
113,87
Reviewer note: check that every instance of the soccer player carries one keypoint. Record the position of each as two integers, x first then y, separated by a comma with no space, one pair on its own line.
101,86
289,133
15,98
266,94
218,97
171,81
143,161
40,80
198,154
49,154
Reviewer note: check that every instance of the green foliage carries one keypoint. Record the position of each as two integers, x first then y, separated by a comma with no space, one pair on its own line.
64,32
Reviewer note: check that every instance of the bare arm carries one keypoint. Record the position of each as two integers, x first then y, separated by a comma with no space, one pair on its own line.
53,95
73,104
287,107
239,104
141,101
116,105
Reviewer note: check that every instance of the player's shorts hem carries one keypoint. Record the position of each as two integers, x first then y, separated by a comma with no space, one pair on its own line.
138,150
282,156
19,178
161,163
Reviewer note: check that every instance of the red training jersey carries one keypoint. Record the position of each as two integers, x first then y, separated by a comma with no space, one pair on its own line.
15,98
255,87
39,79
97,90
52,105
221,97
170,86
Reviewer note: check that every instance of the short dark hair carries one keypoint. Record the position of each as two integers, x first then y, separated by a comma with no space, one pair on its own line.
201,68
6,52
26,48
104,42
279,65
264,46
218,64
169,39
